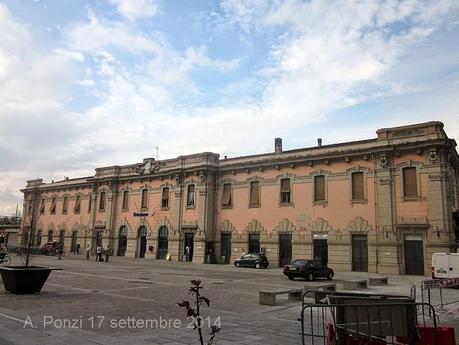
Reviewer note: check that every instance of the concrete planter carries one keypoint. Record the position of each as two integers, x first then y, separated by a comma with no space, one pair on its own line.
24,280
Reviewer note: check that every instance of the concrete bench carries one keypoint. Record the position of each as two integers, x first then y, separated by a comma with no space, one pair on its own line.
318,288
355,284
378,281
269,297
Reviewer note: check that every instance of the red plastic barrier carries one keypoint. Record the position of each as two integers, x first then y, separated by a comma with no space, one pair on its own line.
349,339
427,336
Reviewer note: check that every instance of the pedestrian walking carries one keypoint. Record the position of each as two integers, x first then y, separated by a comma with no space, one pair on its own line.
99,253
187,253
88,250
78,247
108,252
60,250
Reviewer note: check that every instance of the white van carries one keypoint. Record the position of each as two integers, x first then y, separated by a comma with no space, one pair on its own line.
445,265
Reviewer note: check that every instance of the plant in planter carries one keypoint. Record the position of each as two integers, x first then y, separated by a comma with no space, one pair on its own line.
27,279
195,313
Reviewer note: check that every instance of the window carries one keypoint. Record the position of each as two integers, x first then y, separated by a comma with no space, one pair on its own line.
410,183
319,188
254,194
165,198
125,205
89,203
42,206
53,206
190,196
102,201
357,186
226,196
144,202
65,205
285,191
77,207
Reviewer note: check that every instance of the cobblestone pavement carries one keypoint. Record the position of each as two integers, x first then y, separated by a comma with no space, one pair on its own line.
92,302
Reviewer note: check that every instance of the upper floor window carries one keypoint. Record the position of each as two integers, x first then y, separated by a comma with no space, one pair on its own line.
319,188
125,204
65,205
165,198
226,196
285,191
254,194
190,196
52,210
144,202
357,186
102,201
90,203
77,207
42,206
410,182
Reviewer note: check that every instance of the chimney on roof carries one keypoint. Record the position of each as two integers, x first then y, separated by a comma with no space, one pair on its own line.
319,142
278,145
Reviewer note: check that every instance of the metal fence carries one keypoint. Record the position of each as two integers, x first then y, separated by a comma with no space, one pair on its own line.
362,320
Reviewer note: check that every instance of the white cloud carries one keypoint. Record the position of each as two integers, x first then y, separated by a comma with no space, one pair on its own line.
134,9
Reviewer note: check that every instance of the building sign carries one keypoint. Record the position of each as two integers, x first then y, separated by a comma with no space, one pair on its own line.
140,214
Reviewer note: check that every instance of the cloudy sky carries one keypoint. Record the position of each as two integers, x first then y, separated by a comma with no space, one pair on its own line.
95,83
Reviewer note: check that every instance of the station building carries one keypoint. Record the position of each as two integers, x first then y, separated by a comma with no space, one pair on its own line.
378,205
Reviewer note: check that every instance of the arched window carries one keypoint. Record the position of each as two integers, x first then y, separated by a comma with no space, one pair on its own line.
123,231
143,231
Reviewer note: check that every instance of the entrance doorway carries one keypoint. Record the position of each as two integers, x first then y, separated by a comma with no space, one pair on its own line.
285,249
122,241
99,235
254,243
225,248
189,246
163,243
359,253
320,250
414,255
73,244
62,237
142,242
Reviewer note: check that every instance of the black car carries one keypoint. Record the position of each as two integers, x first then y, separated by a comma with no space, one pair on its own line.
308,269
252,260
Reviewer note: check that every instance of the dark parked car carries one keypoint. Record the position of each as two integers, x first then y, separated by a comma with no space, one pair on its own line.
307,269
50,248
252,260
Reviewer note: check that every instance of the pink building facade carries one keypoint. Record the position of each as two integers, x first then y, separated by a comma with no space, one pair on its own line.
378,205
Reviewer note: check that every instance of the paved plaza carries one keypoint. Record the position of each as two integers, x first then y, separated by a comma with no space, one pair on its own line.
133,301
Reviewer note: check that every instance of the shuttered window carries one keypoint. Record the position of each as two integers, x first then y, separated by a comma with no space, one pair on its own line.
357,186
144,203
125,200
90,203
42,206
254,193
319,188
190,196
53,206
65,205
410,182
77,207
165,198
226,196
102,201
285,190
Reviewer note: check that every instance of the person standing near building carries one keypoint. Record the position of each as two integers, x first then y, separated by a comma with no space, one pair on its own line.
108,252
99,253
187,253
60,250
88,250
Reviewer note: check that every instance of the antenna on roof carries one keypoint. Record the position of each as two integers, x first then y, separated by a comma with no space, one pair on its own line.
157,152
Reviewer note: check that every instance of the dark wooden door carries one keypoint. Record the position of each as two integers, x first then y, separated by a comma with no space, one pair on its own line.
226,248
414,257
285,249
122,245
163,243
359,253
142,245
254,243
189,246
74,240
320,251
